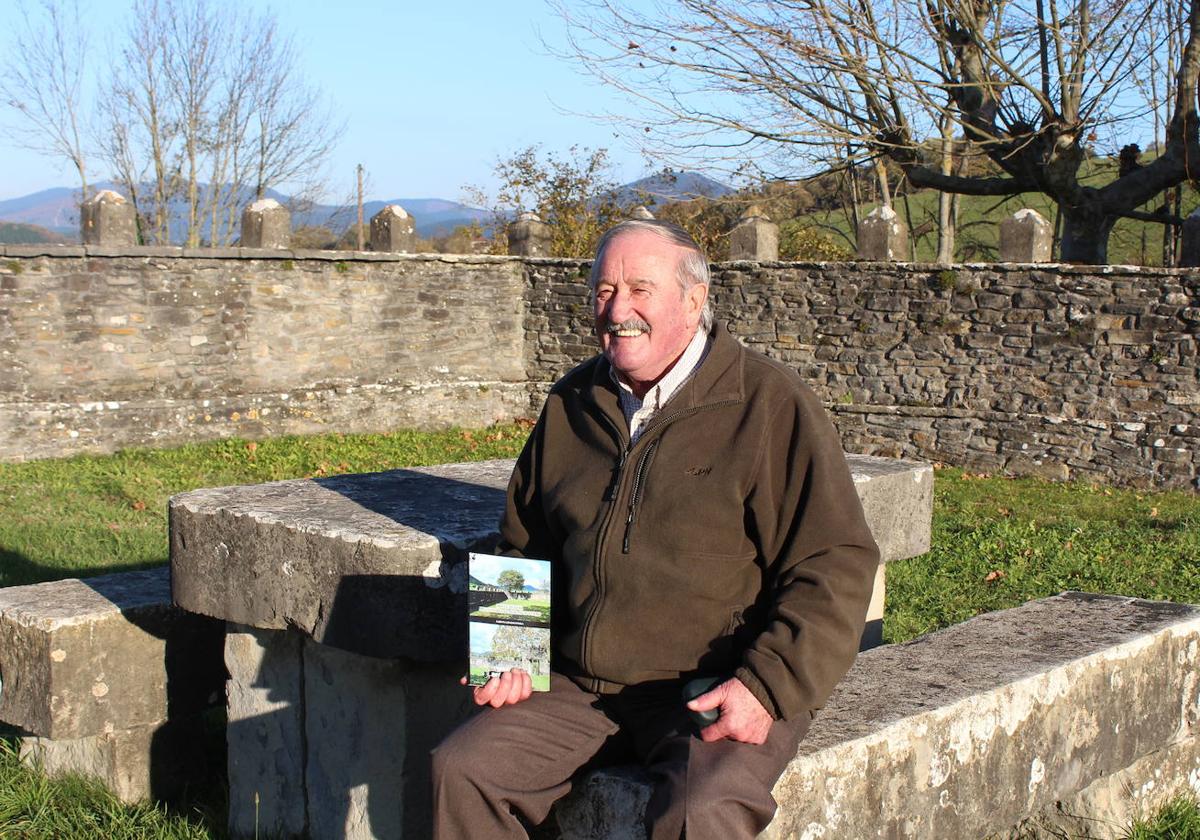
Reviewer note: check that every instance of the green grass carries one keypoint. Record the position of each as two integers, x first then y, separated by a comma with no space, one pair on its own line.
33,807
1177,820
999,542
92,514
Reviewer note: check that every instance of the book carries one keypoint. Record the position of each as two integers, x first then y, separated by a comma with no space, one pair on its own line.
508,617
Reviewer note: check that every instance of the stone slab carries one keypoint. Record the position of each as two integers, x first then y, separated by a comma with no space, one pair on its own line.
371,725
1105,808
265,733
897,498
1039,703
334,557
325,743
85,657
367,563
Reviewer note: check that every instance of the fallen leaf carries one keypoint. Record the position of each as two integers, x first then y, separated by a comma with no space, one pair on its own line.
1154,513
994,575
251,446
138,505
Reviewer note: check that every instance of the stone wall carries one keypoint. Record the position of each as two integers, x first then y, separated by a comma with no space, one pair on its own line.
149,346
1069,372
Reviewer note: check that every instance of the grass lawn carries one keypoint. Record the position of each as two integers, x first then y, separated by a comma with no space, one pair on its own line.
996,543
999,542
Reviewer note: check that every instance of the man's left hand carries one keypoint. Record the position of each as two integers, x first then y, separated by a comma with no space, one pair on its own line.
743,718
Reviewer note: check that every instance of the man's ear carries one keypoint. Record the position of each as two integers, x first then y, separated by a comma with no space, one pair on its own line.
694,299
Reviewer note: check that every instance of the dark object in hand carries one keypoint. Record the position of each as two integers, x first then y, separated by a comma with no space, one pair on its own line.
693,689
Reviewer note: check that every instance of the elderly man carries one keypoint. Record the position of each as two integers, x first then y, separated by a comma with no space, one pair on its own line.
695,502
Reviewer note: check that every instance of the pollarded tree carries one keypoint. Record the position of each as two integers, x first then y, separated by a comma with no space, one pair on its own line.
511,581
1035,85
523,645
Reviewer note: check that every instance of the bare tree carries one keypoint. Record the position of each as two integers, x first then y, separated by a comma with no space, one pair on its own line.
41,79
199,93
140,111
1033,85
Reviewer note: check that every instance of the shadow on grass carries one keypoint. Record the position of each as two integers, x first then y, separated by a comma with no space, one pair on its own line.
17,570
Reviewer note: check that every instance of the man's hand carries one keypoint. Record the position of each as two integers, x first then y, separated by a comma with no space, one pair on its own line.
505,690
743,718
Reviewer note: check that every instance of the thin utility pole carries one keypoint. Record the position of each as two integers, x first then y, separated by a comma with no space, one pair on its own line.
361,244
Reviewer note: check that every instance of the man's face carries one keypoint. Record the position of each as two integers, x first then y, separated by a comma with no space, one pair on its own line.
643,319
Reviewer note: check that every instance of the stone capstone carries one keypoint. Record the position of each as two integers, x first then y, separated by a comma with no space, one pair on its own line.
1189,245
883,237
393,230
266,224
1026,237
529,236
754,238
1038,704
107,219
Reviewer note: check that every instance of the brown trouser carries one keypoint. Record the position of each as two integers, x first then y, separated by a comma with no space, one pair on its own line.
504,768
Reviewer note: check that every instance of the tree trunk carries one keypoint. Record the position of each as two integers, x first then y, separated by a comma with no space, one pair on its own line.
947,202
885,189
1085,235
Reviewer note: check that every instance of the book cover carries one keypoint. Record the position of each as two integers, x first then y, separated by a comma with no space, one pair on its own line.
508,617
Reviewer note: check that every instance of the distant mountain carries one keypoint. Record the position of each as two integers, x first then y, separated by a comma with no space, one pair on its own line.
12,233
666,187
56,209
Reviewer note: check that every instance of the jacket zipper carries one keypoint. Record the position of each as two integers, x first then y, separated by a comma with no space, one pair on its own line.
639,485
614,489
589,621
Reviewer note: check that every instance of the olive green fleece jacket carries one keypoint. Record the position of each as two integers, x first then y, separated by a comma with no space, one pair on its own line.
728,540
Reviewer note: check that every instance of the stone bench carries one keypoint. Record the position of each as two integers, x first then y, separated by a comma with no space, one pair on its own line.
106,678
1072,705
345,599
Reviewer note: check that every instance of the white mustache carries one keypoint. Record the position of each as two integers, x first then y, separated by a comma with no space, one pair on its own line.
629,324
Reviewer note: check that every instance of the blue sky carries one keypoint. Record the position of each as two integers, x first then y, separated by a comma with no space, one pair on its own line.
432,93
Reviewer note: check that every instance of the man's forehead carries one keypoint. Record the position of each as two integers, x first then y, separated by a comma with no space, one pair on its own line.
639,255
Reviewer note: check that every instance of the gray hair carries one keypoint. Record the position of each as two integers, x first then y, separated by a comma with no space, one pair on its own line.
691,269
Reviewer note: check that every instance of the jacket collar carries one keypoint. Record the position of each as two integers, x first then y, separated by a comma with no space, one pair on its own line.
718,379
